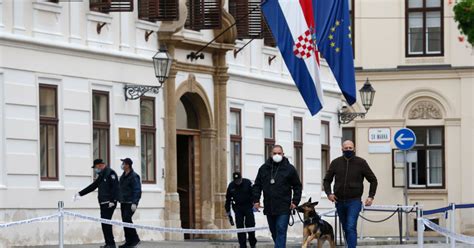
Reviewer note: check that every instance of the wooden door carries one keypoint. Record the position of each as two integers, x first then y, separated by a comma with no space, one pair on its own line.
185,163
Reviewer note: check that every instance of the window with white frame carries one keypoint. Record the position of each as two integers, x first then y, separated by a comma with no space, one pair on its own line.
425,166
424,27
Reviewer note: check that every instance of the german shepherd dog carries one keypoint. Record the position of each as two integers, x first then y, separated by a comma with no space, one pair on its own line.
314,227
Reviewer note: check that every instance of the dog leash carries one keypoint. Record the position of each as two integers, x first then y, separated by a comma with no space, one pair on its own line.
292,212
293,219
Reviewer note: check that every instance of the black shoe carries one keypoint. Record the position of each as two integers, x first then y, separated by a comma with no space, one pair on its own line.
108,246
130,245
133,244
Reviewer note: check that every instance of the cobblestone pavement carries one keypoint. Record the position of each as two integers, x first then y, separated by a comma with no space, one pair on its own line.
367,243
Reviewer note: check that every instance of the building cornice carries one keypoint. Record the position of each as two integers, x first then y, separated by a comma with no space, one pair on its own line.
416,72
23,42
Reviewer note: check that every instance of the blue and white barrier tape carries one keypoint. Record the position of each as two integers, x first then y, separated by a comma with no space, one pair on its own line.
29,221
448,233
165,229
328,212
448,208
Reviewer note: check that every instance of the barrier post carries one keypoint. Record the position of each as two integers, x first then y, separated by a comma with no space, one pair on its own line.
420,225
453,224
61,224
400,224
335,226
362,224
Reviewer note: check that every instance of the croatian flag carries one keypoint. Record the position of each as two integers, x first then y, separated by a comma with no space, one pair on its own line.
293,28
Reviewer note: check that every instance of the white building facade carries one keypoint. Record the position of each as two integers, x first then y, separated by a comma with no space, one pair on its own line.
63,70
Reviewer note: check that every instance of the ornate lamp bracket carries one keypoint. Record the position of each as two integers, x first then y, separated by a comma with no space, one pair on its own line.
133,92
346,117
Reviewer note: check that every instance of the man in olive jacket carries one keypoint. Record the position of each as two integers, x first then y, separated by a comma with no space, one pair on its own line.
281,187
349,171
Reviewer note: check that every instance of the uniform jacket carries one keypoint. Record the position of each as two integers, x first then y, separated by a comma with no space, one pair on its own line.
277,197
240,196
108,184
349,178
130,188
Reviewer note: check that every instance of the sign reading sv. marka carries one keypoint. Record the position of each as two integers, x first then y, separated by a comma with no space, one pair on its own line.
379,134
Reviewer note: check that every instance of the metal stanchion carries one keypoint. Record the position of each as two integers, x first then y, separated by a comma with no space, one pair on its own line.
400,224
61,224
362,225
453,223
335,226
420,225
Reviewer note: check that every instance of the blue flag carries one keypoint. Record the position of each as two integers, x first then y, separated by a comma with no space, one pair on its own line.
334,39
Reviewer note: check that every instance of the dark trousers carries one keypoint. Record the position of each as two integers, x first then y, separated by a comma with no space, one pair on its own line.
348,212
131,235
106,213
246,217
278,225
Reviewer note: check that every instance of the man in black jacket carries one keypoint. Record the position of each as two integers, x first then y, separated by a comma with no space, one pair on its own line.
239,193
107,182
349,171
278,179
130,194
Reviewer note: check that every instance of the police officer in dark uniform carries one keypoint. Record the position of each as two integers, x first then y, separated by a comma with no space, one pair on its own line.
108,184
130,194
239,193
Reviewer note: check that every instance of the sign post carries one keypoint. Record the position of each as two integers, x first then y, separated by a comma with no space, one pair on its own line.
405,139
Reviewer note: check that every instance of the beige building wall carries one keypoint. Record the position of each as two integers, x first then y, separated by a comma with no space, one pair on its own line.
414,92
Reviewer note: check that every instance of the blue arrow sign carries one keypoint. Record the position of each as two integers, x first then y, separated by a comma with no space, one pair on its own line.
404,139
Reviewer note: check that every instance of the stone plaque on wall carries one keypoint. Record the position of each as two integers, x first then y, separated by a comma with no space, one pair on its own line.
126,136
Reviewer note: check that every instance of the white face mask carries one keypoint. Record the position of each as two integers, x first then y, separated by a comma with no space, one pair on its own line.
122,166
277,158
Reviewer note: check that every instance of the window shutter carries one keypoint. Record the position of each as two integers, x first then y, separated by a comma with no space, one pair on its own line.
267,35
106,6
168,10
148,10
248,21
212,14
254,20
203,14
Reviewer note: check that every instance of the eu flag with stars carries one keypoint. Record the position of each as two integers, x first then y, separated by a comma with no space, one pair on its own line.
334,40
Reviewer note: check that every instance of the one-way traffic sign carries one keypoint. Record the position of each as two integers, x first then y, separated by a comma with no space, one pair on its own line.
404,139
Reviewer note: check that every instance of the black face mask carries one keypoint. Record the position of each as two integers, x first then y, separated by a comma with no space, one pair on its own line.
348,153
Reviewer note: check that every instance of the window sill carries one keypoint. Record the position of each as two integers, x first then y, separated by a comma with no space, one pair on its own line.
193,34
99,17
268,50
146,25
46,186
424,59
151,188
48,7
427,191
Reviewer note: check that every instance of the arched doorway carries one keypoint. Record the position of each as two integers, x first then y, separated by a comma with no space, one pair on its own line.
192,117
